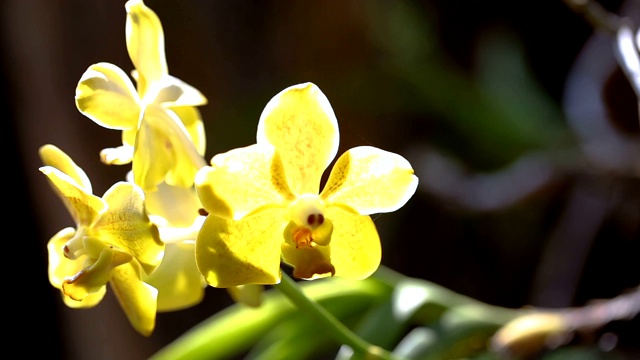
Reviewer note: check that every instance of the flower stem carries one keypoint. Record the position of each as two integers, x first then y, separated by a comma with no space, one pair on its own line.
340,332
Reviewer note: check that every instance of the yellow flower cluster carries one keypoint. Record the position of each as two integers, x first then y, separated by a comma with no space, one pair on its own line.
177,223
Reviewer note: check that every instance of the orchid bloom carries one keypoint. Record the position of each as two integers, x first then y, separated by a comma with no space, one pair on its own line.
113,242
175,210
264,202
158,117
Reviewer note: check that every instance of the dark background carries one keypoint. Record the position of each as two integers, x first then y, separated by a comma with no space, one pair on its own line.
517,119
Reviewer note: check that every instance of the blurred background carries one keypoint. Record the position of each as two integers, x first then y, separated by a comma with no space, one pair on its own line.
516,117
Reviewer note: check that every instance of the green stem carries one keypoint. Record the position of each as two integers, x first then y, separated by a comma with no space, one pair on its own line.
341,333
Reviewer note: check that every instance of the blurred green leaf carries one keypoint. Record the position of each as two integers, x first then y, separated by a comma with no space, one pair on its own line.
582,353
382,317
237,328
299,337
296,337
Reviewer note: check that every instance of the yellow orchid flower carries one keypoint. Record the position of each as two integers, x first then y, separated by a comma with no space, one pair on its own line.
158,117
113,242
175,210
264,203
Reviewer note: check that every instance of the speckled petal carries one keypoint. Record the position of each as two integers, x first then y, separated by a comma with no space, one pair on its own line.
127,226
355,245
83,207
370,180
300,123
231,253
241,180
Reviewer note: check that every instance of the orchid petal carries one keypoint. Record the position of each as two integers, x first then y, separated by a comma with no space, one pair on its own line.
61,267
164,152
89,301
145,44
370,180
94,277
355,244
127,226
192,121
51,155
137,299
231,253
120,155
106,95
175,92
83,207
173,206
180,285
241,180
309,263
299,122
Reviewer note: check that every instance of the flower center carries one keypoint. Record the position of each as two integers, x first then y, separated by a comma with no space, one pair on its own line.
303,237
74,248
308,226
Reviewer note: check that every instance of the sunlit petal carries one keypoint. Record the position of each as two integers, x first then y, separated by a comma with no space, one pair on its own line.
164,152
309,263
192,121
59,266
127,226
106,95
241,180
51,155
89,301
120,155
94,277
173,206
175,92
145,44
137,299
180,285
355,245
300,123
83,207
247,251
370,180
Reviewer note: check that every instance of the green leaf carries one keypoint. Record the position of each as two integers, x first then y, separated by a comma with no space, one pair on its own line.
236,329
